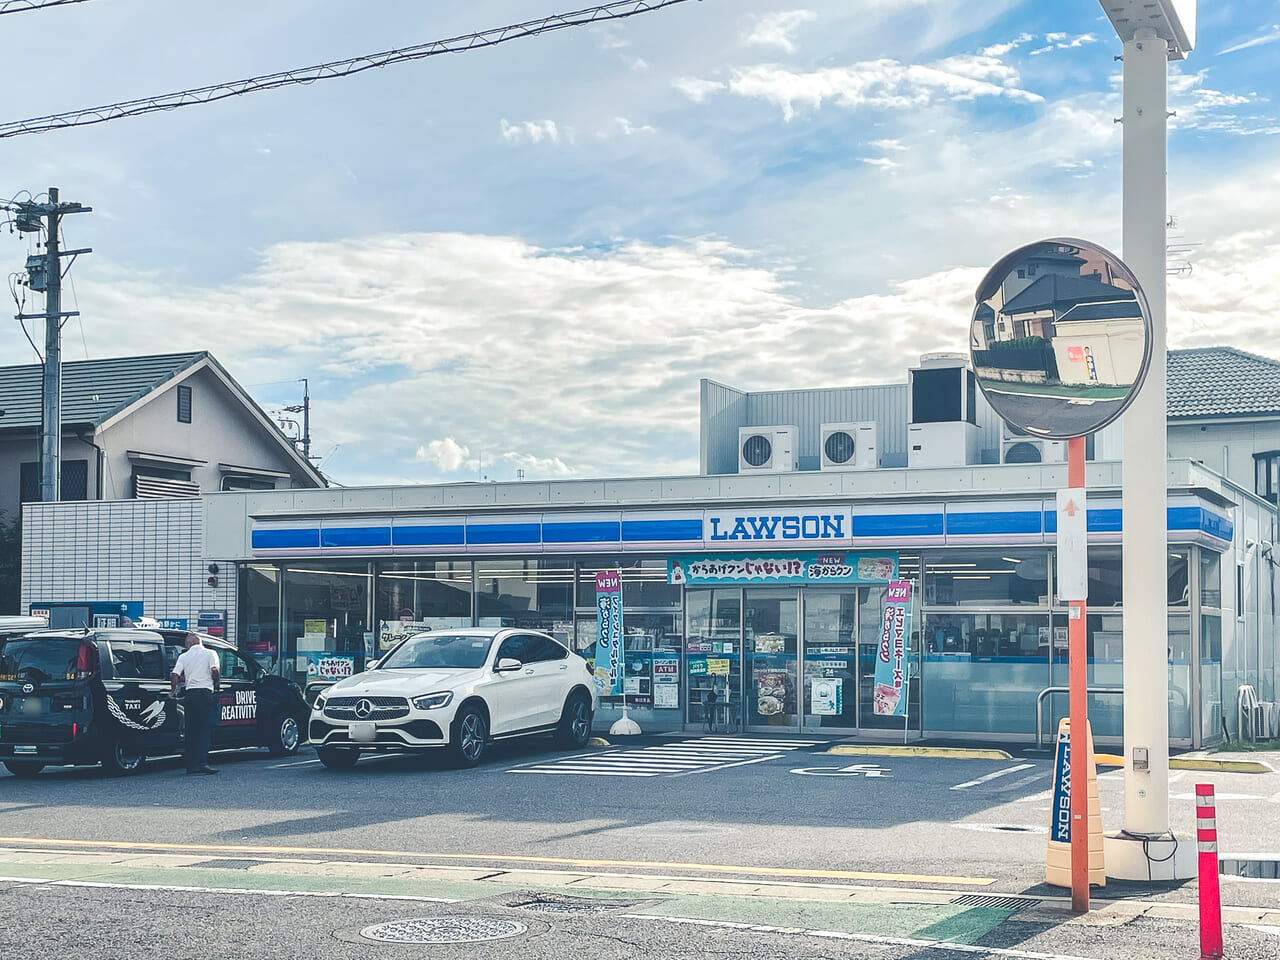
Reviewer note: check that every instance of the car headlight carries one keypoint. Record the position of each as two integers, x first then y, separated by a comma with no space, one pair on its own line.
318,705
434,701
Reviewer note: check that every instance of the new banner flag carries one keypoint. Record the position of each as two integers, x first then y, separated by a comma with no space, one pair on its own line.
889,695
608,633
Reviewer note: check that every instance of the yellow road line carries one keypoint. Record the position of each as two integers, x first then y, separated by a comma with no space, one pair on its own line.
504,858
953,753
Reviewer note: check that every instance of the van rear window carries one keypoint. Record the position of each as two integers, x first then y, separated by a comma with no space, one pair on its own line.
39,661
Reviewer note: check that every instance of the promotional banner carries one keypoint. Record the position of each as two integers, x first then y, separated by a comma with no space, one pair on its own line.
889,695
608,633
800,568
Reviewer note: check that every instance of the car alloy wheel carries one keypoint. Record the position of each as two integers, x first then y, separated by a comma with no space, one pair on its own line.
575,723
121,759
286,736
470,736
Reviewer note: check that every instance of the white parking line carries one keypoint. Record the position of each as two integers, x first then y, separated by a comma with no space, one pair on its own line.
991,776
293,763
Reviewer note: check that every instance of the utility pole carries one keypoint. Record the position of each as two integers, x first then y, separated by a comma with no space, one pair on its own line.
305,410
44,273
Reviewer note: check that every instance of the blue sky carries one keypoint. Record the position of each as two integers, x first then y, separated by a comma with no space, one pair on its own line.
523,258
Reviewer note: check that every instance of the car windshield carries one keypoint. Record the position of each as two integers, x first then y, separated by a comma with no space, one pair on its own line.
449,650
39,661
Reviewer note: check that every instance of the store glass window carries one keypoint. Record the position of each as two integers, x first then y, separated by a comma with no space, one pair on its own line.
435,593
259,614
326,614
771,622
531,592
651,637
1014,576
713,656
831,657
1179,585
1210,579
1210,677
1180,665
982,672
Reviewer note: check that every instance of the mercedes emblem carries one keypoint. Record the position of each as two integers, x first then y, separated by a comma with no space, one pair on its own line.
364,709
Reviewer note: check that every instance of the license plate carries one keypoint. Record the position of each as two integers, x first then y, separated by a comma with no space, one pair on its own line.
26,750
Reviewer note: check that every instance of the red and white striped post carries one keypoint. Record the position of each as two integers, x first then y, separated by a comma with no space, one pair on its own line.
1210,897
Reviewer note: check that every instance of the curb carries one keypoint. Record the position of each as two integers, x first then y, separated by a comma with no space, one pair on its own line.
952,753
1227,766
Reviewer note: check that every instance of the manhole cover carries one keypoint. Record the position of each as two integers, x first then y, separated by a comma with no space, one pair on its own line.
552,903
444,930
228,864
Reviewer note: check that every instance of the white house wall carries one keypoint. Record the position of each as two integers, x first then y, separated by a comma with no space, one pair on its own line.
221,431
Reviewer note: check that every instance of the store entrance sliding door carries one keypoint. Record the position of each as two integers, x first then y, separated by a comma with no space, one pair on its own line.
771,635
829,691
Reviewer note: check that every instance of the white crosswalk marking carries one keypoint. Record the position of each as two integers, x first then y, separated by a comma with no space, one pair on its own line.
675,759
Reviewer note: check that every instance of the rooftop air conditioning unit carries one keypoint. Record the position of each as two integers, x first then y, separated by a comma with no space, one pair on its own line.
766,449
849,446
1019,447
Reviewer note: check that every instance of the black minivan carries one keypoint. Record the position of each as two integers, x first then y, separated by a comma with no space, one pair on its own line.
72,697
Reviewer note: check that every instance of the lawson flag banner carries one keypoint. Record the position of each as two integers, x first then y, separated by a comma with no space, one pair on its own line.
889,695
608,633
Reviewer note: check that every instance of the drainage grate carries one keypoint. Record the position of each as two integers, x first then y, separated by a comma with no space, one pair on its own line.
1257,869
228,864
555,903
444,930
1003,903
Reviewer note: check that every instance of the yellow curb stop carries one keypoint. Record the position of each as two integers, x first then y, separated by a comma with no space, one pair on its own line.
951,753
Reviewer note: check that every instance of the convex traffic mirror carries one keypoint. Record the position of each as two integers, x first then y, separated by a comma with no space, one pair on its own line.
1061,338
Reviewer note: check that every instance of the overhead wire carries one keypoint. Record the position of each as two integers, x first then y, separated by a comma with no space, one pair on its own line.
618,10
21,6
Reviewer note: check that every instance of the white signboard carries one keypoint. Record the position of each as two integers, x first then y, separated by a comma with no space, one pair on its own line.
1073,545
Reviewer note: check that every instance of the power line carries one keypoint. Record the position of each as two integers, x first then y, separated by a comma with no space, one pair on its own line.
618,10
19,6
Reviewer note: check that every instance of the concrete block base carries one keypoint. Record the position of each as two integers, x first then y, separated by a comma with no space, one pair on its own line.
1141,861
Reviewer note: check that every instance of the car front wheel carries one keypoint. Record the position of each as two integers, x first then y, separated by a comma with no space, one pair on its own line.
575,722
23,768
337,758
470,736
284,736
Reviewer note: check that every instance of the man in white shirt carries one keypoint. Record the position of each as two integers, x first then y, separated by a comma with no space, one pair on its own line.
197,668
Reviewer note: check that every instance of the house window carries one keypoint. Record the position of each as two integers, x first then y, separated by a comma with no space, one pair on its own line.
184,404
150,483
1267,475
29,482
74,486
248,483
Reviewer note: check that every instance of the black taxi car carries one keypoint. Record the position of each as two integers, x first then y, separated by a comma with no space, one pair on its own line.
70,697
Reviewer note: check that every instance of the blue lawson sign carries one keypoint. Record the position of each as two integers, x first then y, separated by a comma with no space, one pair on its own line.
800,568
1060,829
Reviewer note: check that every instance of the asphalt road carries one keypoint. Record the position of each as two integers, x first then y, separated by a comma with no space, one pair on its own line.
909,817
780,810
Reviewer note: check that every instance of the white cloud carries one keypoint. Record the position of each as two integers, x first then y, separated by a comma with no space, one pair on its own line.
884,84
778,29
629,129
551,467
531,131
1062,41
447,454
1270,35
698,90
1000,49
884,163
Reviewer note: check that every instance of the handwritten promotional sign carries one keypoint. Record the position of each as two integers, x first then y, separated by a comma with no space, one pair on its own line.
331,667
889,695
608,632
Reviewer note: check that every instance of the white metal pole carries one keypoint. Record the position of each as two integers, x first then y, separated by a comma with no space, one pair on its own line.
1146,631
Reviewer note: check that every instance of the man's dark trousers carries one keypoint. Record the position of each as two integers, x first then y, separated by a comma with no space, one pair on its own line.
198,706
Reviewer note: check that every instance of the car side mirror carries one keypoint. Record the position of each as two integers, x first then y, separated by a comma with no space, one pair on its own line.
507,665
